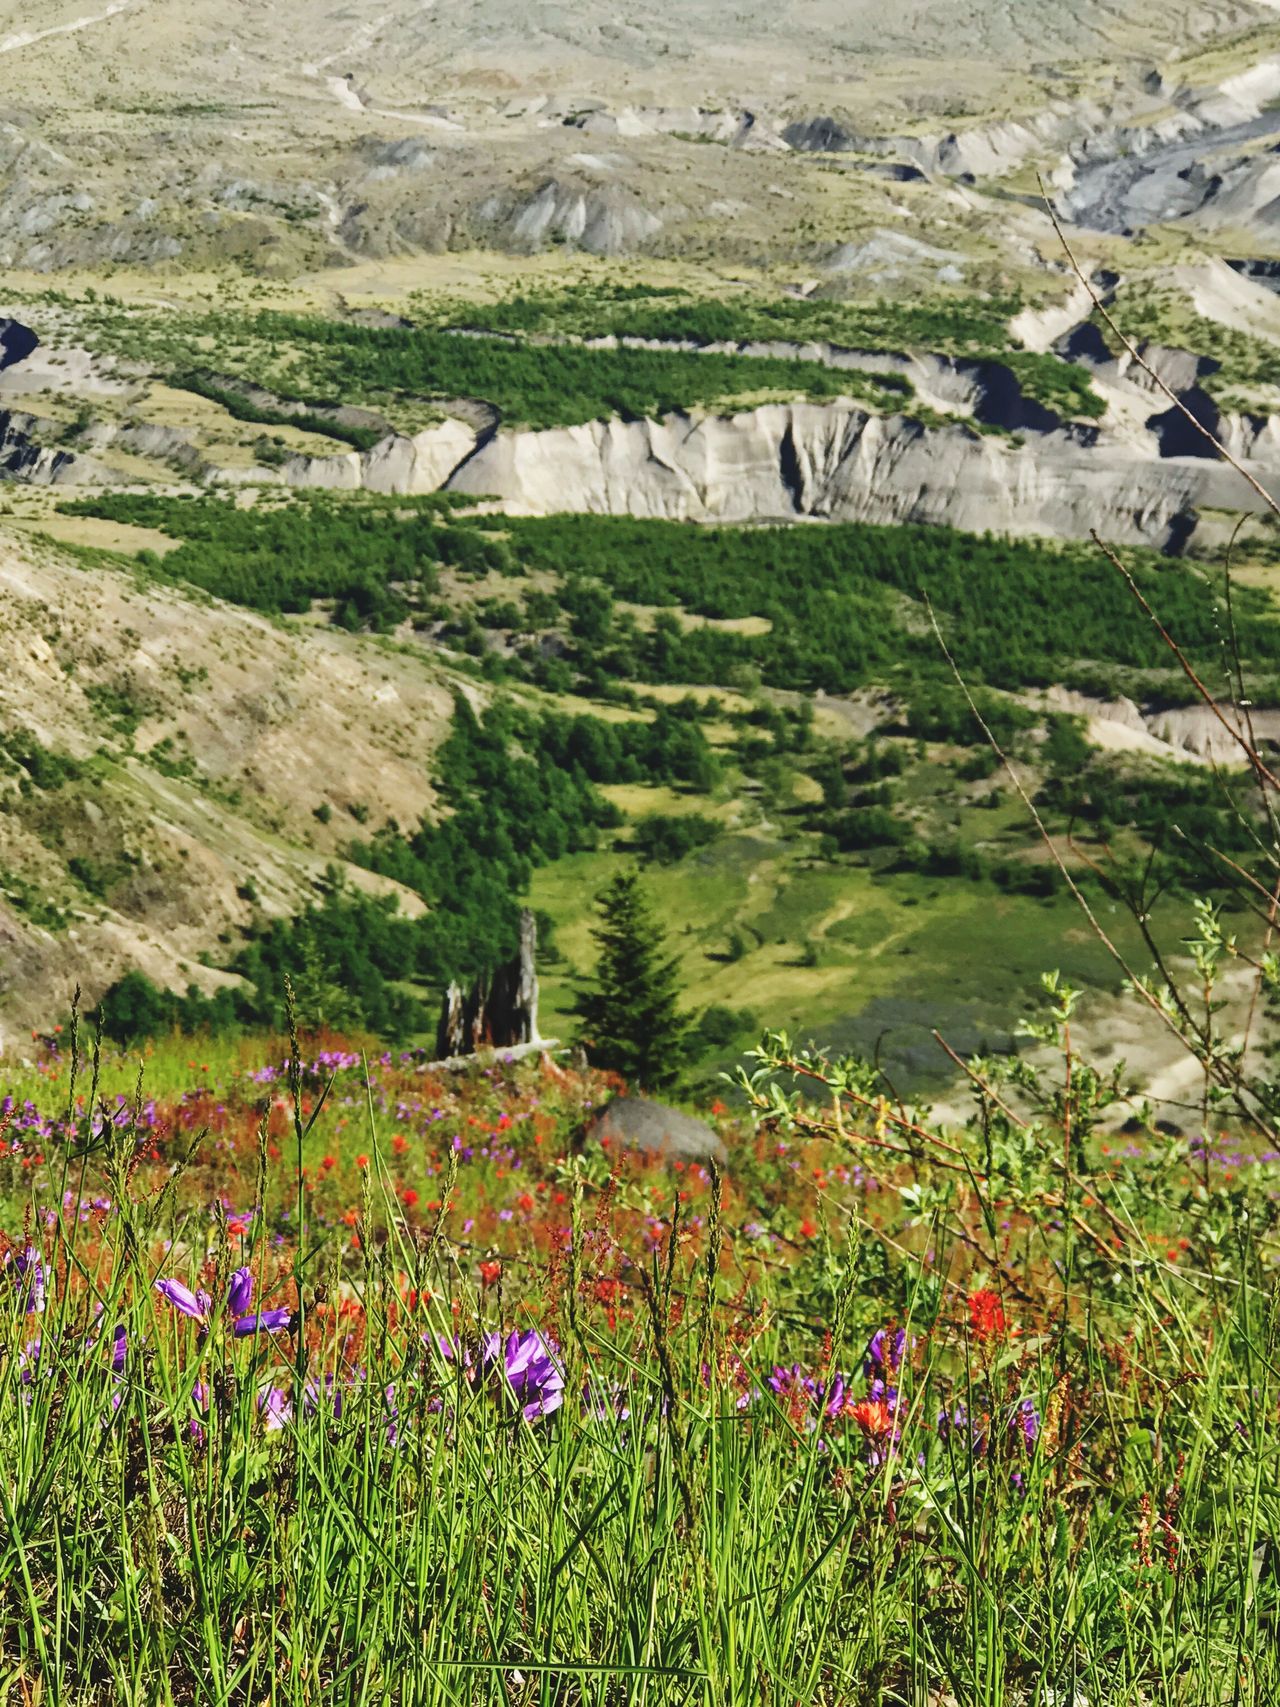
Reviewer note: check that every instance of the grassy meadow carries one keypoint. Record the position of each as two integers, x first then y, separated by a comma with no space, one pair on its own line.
331,1377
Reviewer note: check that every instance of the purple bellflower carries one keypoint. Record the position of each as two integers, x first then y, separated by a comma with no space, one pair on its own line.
26,1273
527,1364
199,1305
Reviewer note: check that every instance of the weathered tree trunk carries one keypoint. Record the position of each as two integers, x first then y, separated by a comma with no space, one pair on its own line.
498,1011
451,1034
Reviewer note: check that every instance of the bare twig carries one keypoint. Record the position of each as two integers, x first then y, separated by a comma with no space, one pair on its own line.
1136,355
1210,699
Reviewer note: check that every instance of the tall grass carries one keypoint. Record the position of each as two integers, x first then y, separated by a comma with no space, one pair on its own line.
1053,1472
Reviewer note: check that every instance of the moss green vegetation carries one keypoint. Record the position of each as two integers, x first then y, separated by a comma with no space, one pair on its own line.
975,330
523,792
35,765
525,356
373,563
552,385
242,408
306,360
844,604
612,617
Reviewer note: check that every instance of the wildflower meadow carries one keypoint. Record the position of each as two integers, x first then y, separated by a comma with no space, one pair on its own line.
329,1376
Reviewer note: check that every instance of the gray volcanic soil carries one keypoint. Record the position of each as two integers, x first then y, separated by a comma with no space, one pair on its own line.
289,134
1166,182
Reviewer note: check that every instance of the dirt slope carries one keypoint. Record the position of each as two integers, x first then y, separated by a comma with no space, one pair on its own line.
178,846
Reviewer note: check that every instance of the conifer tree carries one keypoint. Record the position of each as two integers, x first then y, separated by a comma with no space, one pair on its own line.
631,1022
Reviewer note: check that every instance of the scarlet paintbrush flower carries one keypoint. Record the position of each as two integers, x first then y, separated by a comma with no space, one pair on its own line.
408,1197
490,1273
873,1417
986,1314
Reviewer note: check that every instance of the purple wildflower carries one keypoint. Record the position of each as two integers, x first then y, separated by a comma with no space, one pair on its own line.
533,1374
265,1322
1025,1421
199,1305
528,1366
884,1354
194,1304
27,1274
825,1398
276,1408
240,1292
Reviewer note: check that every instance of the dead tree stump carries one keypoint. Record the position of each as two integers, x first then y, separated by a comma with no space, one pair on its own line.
499,1010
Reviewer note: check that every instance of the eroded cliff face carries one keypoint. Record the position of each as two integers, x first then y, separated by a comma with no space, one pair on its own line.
826,462
973,450
398,466
836,462
24,457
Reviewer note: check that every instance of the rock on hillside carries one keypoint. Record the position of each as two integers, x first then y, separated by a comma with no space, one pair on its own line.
602,220
206,738
652,1129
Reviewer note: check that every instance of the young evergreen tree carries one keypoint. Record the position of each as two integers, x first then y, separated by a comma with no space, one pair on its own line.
631,1022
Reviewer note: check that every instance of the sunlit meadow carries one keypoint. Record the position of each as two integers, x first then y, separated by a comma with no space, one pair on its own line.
338,1378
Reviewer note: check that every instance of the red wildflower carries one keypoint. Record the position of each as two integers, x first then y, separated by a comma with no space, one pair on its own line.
524,1201
986,1314
808,1230
329,1162
490,1273
408,1197
399,1144
872,1416
362,1162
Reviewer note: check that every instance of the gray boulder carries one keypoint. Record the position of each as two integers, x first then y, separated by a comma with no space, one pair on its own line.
653,1129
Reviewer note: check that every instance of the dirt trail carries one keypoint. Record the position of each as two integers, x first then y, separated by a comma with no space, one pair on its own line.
29,38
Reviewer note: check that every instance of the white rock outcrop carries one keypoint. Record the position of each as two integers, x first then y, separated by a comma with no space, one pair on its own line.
837,462
398,465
